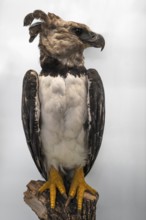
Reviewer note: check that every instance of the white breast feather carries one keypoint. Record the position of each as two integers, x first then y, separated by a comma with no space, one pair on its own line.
63,113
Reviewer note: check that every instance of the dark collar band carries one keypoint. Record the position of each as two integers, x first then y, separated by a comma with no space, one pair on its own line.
54,68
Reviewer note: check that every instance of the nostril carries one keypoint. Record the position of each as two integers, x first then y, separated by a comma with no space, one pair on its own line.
93,35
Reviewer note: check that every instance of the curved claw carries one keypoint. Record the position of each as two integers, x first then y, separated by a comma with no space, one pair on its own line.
68,201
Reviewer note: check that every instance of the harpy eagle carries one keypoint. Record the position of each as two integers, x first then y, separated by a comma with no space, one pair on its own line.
63,108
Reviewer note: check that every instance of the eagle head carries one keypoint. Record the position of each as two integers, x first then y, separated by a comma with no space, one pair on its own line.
59,39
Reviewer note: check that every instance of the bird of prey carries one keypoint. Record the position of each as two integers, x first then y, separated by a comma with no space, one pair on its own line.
63,107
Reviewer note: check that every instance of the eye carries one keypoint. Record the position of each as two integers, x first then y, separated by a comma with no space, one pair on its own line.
77,31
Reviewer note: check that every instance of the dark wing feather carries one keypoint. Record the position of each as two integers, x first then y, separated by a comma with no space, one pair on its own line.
31,119
96,115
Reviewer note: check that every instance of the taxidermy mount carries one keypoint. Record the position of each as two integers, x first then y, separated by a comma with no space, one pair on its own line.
63,114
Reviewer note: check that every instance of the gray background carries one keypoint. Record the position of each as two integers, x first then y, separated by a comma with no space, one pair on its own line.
119,173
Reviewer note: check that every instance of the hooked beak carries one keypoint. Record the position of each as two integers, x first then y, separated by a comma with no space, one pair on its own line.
96,40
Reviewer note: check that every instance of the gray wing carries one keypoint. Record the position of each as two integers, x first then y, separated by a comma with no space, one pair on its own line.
31,119
96,116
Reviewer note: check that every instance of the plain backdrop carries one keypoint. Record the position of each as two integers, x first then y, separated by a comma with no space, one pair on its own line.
119,173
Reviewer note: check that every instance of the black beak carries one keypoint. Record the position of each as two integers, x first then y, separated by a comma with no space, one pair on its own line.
96,40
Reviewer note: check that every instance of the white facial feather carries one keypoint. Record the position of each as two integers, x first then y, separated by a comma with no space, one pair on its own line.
63,113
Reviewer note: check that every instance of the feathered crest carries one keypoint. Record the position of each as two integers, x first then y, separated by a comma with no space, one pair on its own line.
36,28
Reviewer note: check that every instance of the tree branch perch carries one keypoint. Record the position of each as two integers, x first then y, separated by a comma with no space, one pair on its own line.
40,204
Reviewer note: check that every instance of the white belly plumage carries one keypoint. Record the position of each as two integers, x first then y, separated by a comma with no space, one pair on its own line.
63,113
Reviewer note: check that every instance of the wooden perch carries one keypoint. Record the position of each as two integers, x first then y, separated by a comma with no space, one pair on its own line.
40,204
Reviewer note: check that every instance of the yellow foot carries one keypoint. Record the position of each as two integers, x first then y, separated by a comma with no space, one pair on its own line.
79,186
54,182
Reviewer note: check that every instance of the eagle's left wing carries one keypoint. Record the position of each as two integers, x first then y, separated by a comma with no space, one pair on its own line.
96,116
31,119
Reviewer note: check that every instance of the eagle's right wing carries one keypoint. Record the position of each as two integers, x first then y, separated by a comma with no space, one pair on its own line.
31,119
